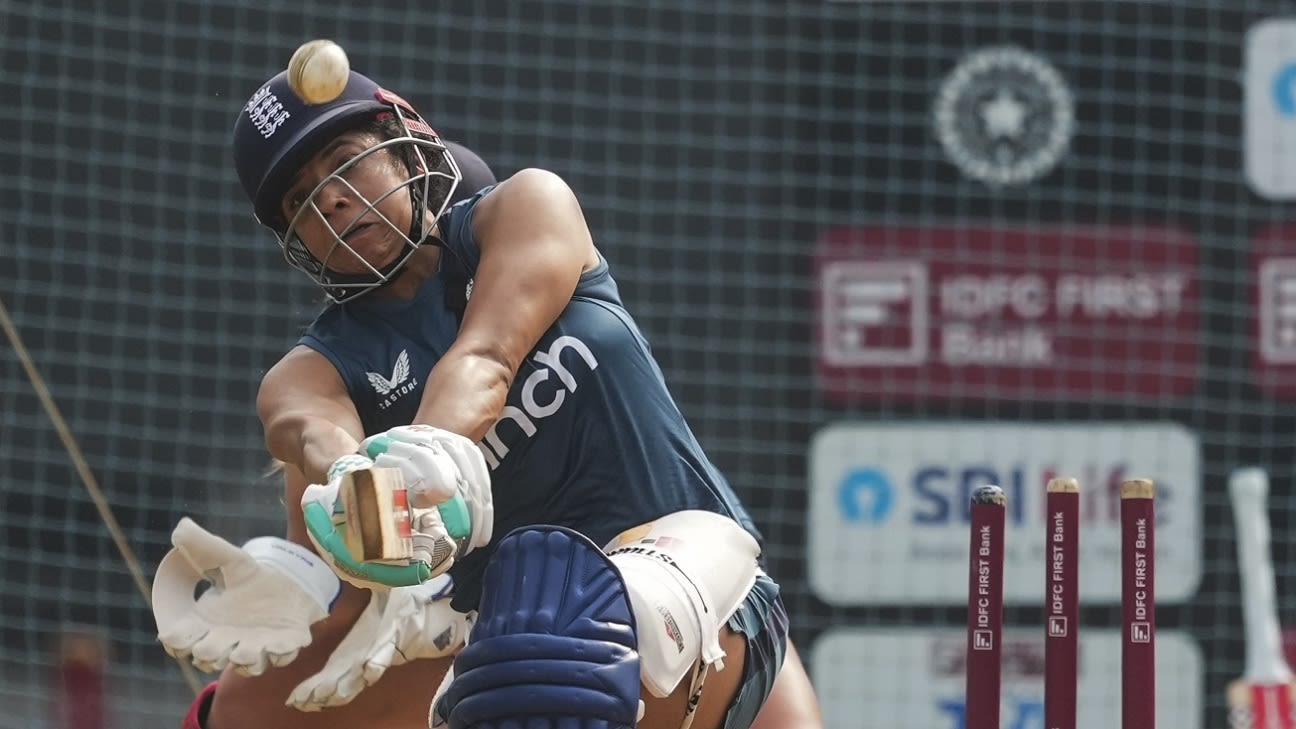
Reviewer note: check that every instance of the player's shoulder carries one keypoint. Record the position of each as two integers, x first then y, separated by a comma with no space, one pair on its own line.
529,187
535,178
536,182
299,367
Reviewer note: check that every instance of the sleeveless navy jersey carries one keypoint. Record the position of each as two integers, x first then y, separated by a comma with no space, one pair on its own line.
589,439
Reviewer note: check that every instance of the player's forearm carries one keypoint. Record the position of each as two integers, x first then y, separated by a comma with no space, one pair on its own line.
309,443
465,394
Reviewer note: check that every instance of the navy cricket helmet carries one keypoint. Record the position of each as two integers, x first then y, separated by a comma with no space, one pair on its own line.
277,132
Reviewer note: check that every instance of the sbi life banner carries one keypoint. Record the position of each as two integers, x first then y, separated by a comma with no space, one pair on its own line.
873,678
889,506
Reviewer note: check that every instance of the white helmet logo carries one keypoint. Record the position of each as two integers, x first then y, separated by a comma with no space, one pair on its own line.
266,112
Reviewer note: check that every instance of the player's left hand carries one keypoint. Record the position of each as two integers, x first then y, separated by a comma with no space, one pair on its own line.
257,611
400,625
326,519
443,470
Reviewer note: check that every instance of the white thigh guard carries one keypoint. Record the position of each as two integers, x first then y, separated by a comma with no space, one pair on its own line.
686,573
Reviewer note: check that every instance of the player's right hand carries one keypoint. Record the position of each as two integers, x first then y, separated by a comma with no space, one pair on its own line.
442,469
326,520
259,606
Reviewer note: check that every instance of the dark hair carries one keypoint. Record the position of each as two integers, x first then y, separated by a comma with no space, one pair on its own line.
414,157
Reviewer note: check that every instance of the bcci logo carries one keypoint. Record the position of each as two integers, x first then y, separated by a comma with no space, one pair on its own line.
1004,116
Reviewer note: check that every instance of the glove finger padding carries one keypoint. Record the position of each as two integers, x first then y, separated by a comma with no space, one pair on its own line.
179,637
274,650
333,684
397,626
207,552
435,631
441,469
211,654
431,475
259,606
471,462
475,492
433,542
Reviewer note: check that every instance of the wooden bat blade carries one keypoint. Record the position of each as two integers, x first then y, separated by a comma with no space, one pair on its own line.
378,515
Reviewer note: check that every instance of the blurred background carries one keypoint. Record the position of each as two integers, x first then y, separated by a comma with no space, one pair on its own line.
885,252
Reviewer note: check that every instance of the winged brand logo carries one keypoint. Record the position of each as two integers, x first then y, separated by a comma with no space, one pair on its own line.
398,384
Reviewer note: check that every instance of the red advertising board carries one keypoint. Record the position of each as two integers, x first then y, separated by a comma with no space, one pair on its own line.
1273,301
1012,312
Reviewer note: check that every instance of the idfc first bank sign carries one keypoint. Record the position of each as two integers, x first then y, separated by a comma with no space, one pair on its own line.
889,517
975,312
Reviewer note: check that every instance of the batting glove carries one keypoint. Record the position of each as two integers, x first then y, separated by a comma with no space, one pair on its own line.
441,469
259,606
434,542
326,518
400,625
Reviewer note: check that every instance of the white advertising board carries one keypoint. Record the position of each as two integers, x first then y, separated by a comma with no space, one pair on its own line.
888,514
1269,108
913,678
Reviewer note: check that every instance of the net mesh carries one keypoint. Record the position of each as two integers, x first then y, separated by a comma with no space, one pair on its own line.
714,148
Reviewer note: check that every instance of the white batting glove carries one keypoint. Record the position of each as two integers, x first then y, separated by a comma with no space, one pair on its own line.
325,516
441,469
258,609
400,625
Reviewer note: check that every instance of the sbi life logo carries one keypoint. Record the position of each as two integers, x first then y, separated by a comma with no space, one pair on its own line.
939,494
1283,90
865,495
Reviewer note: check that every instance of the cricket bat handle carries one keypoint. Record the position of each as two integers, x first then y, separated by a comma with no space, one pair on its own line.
1249,489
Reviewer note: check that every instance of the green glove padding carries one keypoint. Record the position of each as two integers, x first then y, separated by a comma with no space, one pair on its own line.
325,534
